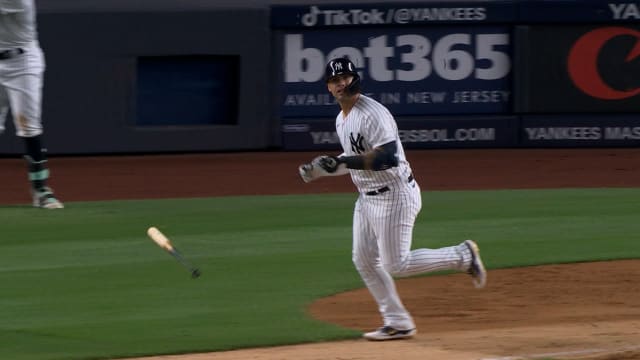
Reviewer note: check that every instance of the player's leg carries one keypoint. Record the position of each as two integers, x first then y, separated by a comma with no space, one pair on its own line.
397,321
25,96
396,237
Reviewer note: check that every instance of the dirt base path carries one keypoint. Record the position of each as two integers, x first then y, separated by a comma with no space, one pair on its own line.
571,311
148,177
578,311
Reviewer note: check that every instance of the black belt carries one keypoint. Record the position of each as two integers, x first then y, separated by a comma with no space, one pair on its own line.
11,53
384,189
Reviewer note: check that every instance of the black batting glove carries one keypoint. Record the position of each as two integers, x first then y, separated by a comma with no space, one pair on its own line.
330,163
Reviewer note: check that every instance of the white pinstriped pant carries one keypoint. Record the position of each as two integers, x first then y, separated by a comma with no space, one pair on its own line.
382,234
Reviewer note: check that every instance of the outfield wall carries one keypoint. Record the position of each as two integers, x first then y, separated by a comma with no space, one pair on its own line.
166,76
470,74
177,76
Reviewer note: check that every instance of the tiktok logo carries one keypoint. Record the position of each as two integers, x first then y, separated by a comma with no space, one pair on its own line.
583,63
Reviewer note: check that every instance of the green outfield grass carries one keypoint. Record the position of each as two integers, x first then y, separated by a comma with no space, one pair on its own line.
86,282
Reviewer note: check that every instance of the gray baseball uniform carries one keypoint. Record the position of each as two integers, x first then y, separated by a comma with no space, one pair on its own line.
385,213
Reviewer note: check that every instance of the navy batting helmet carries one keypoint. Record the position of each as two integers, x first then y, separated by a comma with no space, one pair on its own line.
342,66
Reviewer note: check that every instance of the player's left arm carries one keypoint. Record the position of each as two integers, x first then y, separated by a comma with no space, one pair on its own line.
379,158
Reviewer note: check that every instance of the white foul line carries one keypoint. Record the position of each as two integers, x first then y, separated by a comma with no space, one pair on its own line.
565,353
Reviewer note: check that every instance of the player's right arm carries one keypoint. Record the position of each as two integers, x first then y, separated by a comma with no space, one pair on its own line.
380,158
381,133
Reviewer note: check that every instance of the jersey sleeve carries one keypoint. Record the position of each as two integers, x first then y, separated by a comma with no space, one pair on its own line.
381,127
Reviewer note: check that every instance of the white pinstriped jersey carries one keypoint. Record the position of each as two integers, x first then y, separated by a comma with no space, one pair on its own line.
368,125
17,23
385,213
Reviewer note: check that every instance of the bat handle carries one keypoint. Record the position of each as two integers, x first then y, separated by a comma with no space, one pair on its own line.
195,272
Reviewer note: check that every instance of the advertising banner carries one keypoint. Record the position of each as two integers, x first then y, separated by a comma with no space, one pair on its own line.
308,134
578,131
411,14
583,11
582,69
413,71
390,14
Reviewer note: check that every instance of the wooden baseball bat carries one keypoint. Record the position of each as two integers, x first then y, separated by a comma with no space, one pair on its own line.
159,238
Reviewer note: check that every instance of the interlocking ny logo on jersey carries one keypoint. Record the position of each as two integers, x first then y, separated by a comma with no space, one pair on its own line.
356,144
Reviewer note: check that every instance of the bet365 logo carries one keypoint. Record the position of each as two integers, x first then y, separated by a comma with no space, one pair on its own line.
453,57
583,63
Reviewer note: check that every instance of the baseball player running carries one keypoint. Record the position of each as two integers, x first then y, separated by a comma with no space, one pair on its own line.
388,204
21,71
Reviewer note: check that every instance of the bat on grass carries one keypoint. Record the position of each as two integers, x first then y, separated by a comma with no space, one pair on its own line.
162,241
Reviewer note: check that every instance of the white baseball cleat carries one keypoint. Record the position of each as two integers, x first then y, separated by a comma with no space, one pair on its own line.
476,268
43,198
389,333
